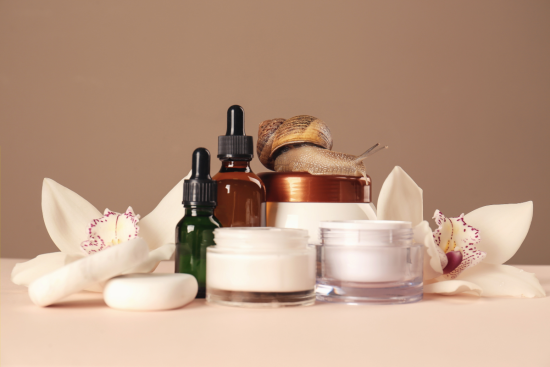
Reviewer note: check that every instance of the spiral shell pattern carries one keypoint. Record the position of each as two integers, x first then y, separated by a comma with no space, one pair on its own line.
266,135
302,129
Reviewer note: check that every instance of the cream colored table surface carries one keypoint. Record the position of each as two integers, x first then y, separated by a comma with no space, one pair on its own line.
438,331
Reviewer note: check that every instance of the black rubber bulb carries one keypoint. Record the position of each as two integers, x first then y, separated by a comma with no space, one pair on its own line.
235,144
200,168
235,121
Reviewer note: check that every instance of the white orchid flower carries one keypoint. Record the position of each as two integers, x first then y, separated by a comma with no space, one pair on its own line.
78,229
465,254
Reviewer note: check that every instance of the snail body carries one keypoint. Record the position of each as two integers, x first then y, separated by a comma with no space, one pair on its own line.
319,161
303,144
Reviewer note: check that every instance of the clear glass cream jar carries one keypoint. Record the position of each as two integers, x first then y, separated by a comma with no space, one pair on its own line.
368,261
260,267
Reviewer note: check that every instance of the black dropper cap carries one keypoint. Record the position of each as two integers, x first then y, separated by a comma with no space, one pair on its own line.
200,189
235,144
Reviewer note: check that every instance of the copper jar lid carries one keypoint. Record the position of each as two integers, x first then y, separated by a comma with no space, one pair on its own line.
303,187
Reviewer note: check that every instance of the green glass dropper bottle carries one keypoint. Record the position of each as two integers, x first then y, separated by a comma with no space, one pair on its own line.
194,232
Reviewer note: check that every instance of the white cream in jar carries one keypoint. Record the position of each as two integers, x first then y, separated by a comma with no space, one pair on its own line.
260,267
365,261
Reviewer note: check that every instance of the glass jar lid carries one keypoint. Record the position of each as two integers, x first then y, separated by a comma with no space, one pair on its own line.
365,224
260,238
380,233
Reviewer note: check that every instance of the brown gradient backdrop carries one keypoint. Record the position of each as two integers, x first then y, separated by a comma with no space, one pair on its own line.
109,98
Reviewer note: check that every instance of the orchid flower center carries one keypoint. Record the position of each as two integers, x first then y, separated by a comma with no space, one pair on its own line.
457,240
111,229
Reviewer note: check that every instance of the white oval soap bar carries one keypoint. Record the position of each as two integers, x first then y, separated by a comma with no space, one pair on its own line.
150,292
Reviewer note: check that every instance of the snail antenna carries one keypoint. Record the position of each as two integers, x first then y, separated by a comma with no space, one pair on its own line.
372,150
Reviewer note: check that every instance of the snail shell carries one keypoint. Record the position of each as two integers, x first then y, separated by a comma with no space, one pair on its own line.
275,134
303,144
302,129
266,134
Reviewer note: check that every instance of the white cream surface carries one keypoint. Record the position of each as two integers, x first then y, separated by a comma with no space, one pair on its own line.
261,272
366,264
367,251
260,260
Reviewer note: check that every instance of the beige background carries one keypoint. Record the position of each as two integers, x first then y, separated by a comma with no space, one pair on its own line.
109,98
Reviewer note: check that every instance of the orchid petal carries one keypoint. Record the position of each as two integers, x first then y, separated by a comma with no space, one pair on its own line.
369,209
127,225
157,255
503,280
400,198
442,257
455,235
149,265
433,266
96,287
157,227
454,258
470,256
452,287
111,229
503,229
27,272
87,271
66,215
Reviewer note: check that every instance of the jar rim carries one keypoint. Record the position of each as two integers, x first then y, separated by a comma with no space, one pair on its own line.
240,232
260,238
365,224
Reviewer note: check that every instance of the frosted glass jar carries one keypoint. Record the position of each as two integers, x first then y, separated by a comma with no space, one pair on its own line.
368,261
260,267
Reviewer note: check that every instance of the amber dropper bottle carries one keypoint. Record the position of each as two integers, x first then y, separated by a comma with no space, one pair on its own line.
194,232
241,193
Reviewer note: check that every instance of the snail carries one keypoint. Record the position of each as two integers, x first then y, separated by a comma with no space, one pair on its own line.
303,144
